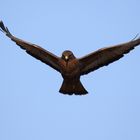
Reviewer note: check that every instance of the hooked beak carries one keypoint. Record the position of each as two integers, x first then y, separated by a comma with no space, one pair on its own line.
66,58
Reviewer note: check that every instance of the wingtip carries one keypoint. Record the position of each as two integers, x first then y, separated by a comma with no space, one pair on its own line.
4,29
1,23
136,37
136,40
2,26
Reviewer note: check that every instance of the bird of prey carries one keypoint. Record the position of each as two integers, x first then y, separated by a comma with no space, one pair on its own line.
70,67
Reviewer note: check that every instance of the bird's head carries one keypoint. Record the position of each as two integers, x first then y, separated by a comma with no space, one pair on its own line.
67,55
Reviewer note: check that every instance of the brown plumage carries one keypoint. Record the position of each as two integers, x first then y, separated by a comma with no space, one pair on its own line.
70,67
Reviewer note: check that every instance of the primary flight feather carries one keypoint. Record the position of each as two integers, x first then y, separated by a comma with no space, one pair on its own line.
70,67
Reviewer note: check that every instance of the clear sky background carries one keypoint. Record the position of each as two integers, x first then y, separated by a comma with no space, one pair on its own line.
31,108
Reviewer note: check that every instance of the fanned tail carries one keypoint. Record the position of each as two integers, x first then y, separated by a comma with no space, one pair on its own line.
72,87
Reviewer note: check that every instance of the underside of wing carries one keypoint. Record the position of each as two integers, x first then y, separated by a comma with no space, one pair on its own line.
34,50
39,53
105,56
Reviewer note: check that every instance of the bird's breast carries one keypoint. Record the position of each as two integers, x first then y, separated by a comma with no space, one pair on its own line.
70,68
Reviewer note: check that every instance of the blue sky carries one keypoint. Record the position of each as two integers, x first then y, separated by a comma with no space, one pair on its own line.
30,105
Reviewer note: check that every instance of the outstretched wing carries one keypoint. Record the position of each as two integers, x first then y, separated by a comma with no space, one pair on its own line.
34,50
105,56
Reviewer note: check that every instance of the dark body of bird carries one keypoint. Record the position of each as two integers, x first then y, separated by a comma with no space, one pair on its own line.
70,71
70,67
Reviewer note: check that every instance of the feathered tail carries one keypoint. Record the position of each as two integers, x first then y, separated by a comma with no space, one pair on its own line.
72,87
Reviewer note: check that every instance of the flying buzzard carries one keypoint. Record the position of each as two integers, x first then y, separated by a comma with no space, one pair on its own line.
70,67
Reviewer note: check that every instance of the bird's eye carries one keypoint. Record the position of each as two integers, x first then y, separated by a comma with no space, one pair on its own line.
70,56
63,56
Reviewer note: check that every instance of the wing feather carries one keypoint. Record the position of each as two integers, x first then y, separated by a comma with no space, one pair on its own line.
105,56
34,50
